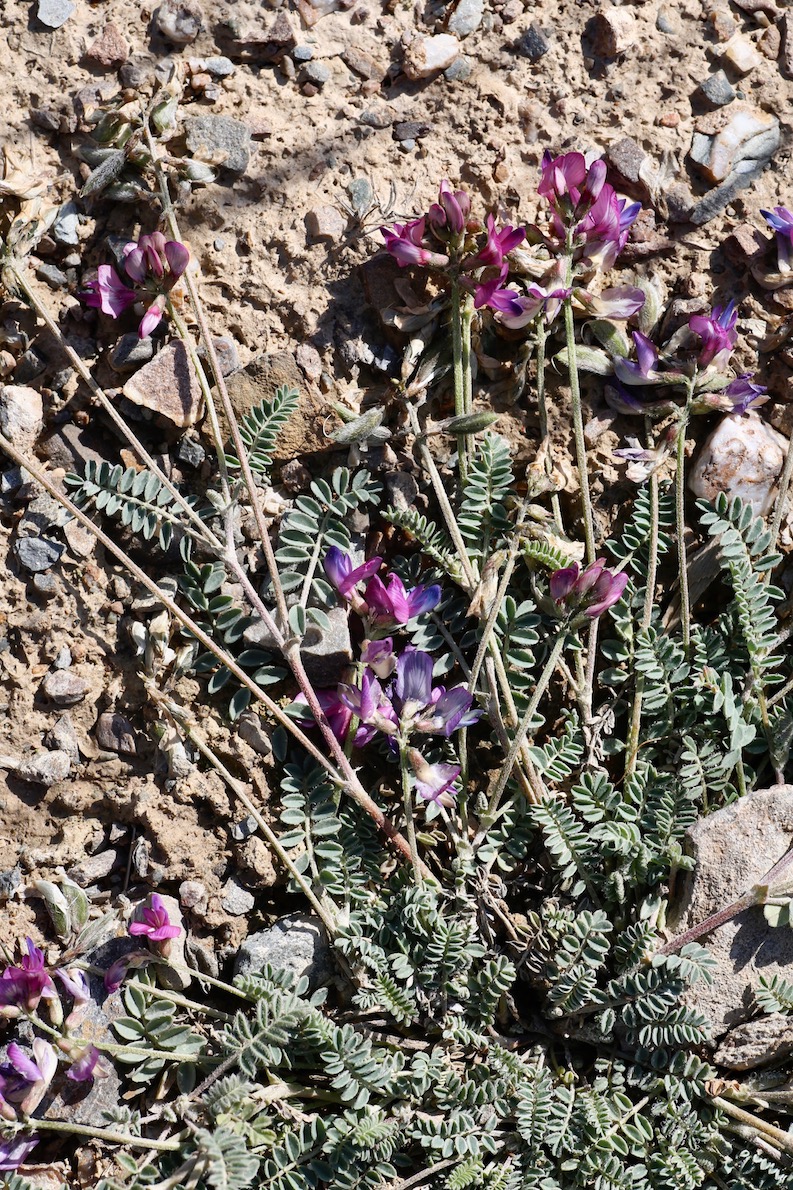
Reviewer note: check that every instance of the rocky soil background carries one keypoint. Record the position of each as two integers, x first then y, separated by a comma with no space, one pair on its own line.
324,120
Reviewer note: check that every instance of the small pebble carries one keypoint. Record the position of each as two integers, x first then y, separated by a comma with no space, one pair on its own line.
36,554
64,688
302,53
219,140
295,476
411,130
190,451
667,21
114,733
54,13
741,55
466,18
63,736
236,900
131,352
315,73
192,893
533,44
425,56
45,585
459,70
219,67
613,32
45,768
718,89
240,831
21,414
110,48
179,21
52,275
30,365
63,658
92,868
325,223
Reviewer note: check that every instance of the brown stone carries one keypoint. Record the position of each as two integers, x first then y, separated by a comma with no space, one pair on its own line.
613,32
770,43
746,244
168,386
325,223
110,48
786,26
364,65
304,433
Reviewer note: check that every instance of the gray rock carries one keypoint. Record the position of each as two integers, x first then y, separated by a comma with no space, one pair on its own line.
46,585
466,18
218,66
21,414
296,943
86,1103
43,513
326,652
401,490
361,196
302,53
732,146
533,44
718,89
240,831
62,736
235,899
11,480
667,21
66,226
30,365
249,729
179,21
733,848
64,688
190,451
411,130
219,140
36,554
114,733
137,74
426,56
10,880
55,278
54,13
742,456
459,70
316,73
64,658
192,894
45,768
130,352
226,351
94,867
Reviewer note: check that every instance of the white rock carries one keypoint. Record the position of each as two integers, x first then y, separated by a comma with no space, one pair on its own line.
742,457
425,56
21,414
741,54
45,768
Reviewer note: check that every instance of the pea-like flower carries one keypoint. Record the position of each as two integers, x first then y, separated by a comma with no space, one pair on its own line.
590,592
108,292
408,245
25,1078
22,987
718,334
85,1065
16,1150
344,576
434,782
391,605
155,265
449,215
743,394
781,220
154,922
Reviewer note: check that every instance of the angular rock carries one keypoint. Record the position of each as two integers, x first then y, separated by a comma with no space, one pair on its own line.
219,140
717,89
770,42
364,65
296,943
743,457
733,848
168,386
192,893
114,733
304,432
235,899
426,56
316,73
757,1043
45,768
250,729
54,13
66,225
63,737
21,415
110,48
64,688
466,18
325,223
36,554
131,352
92,868
179,21
740,55
612,32
725,140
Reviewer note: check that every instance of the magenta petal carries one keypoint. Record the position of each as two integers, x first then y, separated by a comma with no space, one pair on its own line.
563,581
178,257
150,321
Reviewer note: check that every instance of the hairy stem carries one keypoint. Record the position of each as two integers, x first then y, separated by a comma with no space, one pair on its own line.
407,802
459,376
118,1138
542,408
680,522
578,432
632,750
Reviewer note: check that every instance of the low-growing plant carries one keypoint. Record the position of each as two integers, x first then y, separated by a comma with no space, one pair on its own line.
486,808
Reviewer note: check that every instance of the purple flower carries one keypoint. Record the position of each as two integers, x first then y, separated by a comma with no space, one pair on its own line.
450,213
83,1067
36,1073
499,244
592,591
644,370
391,605
493,294
154,923
781,220
114,976
108,292
22,987
605,228
76,983
370,705
718,334
620,303
407,245
13,1152
434,782
562,178
149,257
526,307
337,714
152,317
422,707
339,569
743,394
379,656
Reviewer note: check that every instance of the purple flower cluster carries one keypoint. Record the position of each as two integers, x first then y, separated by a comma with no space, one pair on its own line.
384,605
781,221
154,265
22,987
590,592
703,349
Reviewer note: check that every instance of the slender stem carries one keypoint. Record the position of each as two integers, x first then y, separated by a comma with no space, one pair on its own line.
407,801
779,506
119,1138
99,394
578,432
466,318
781,1140
542,407
459,377
680,523
176,998
525,723
632,750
